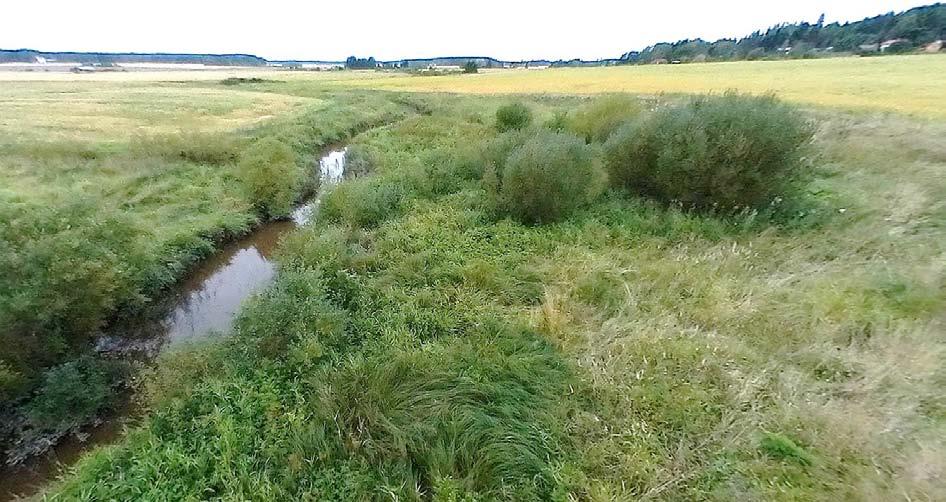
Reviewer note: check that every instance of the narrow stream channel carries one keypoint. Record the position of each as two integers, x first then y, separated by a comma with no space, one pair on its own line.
205,303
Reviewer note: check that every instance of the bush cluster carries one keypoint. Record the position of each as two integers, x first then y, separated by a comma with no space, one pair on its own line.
74,393
544,176
514,116
270,174
714,152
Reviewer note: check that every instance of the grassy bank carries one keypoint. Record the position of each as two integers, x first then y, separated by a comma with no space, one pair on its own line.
112,191
419,345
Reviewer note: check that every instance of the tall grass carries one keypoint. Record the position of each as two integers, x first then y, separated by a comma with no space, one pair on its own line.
93,231
632,350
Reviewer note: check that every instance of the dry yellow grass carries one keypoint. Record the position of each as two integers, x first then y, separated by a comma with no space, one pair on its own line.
113,111
906,84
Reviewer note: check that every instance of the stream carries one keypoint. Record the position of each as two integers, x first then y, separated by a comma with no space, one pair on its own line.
204,304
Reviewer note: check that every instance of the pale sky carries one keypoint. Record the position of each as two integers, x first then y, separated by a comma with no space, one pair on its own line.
335,29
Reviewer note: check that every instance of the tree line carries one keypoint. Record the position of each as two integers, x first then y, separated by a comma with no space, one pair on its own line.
911,29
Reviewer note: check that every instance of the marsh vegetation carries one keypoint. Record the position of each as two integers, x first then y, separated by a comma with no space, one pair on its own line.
500,307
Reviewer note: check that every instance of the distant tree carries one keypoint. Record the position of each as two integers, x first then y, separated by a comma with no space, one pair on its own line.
470,67
355,63
919,26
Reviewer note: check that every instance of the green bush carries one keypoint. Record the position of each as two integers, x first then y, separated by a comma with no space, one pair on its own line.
715,152
73,393
62,271
269,171
597,120
513,116
364,202
546,177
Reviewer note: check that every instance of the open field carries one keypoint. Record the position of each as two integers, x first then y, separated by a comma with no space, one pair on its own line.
905,84
113,112
419,346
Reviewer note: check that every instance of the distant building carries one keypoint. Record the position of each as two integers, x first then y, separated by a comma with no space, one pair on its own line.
933,46
869,47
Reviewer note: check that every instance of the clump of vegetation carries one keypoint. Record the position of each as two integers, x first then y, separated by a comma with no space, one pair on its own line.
471,67
246,80
546,177
269,171
61,273
445,172
558,122
73,393
781,447
200,148
714,152
359,161
514,116
364,202
597,120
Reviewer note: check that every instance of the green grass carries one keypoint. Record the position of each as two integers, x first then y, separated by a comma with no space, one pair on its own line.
415,346
98,222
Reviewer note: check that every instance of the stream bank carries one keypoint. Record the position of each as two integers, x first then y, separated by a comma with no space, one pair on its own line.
204,304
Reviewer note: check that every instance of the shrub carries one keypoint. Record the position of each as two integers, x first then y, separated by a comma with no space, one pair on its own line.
727,152
269,171
471,67
73,393
364,202
514,116
497,150
598,119
546,177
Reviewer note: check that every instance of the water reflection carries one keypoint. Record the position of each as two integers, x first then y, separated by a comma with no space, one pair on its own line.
212,296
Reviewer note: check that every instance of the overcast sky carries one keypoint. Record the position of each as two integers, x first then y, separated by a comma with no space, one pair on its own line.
334,29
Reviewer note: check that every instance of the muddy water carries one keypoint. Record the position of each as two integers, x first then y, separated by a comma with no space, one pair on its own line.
212,295
203,304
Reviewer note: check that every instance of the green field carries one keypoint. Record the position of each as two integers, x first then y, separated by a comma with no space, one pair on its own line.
417,345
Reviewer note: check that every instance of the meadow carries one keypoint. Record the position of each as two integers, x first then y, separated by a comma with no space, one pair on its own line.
895,84
421,344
